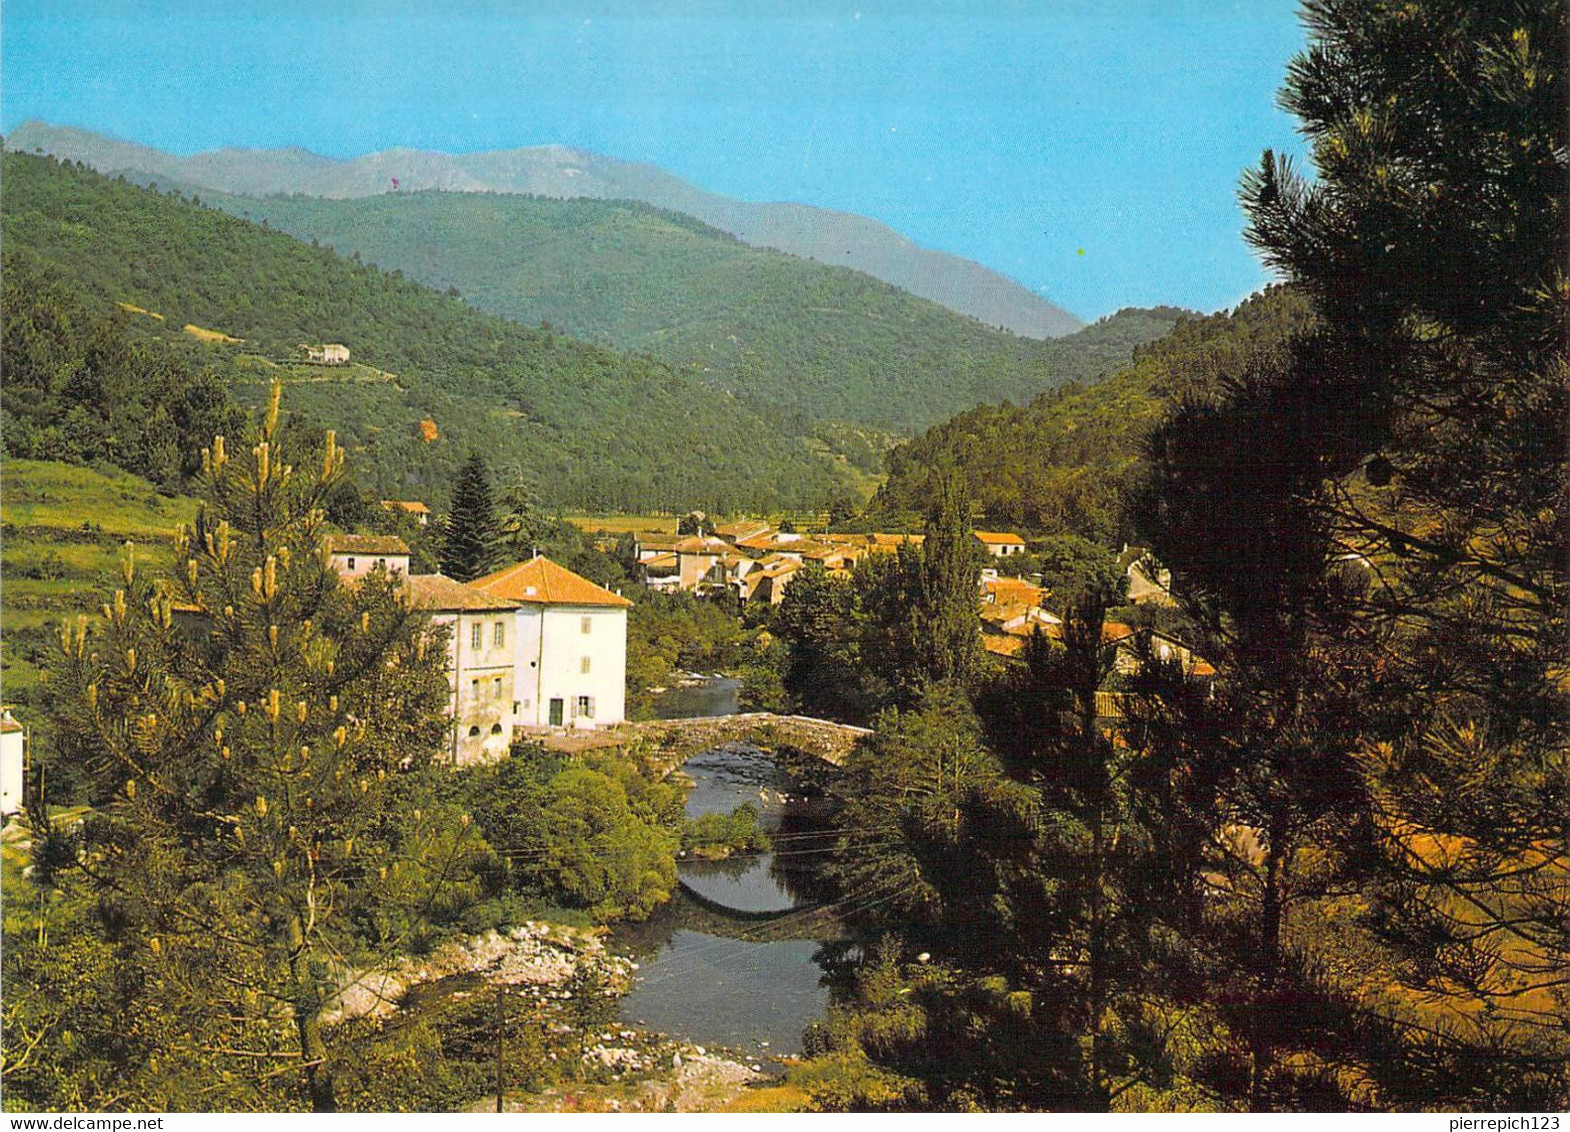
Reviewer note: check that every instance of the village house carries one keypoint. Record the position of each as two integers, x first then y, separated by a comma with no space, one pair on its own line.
661,572
767,582
354,556
696,556
330,354
13,763
651,544
734,532
569,645
421,513
1001,544
1149,582
481,665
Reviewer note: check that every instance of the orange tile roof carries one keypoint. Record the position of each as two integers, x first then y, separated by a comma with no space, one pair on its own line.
441,594
411,505
889,542
1009,647
1005,590
1000,538
542,582
742,528
658,540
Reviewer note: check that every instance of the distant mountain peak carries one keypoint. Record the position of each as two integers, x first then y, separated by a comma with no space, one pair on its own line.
839,238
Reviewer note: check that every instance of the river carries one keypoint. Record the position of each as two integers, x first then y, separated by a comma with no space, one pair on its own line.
733,959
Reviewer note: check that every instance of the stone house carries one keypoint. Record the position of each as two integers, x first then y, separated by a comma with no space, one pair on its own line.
354,556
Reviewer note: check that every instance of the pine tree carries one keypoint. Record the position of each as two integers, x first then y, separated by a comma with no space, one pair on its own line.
1434,245
272,733
469,537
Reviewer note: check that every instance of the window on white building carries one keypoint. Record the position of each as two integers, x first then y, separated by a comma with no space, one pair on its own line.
583,666
496,688
499,636
586,624
586,707
351,564
476,635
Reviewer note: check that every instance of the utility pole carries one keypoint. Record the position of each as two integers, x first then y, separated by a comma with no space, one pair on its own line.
501,1031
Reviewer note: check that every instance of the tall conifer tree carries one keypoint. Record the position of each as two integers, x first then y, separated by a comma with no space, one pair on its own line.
469,537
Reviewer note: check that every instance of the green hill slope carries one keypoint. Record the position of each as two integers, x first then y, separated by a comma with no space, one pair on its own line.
1062,462
841,238
597,430
816,342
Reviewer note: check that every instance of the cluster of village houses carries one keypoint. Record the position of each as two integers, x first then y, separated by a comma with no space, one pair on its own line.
535,646
756,562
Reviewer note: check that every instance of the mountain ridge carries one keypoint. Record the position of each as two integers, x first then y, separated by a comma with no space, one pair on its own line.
828,236
813,341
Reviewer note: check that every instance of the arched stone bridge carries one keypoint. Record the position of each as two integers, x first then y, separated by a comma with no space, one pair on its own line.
678,739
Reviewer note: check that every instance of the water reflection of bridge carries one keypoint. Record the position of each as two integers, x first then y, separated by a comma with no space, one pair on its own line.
698,913
678,739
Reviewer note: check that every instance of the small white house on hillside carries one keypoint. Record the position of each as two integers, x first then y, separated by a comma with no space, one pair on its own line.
354,556
571,650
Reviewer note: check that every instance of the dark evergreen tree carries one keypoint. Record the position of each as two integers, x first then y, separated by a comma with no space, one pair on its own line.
947,630
469,534
1434,245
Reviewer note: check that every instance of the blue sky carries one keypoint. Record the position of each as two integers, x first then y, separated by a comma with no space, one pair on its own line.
1088,148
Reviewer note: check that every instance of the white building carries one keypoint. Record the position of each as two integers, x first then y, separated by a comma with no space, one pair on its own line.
13,763
1001,544
354,556
571,645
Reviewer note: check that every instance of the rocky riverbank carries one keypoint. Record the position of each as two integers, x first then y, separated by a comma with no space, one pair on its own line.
534,953
561,985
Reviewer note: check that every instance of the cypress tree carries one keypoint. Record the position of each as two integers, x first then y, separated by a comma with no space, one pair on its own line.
947,629
469,535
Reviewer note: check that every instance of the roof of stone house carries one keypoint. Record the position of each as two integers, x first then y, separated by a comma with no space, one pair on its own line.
440,594
1006,590
765,541
1008,647
742,528
889,542
658,540
542,582
413,506
702,544
1000,538
661,561
366,544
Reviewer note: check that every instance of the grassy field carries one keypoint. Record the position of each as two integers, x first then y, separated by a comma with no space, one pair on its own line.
621,524
64,530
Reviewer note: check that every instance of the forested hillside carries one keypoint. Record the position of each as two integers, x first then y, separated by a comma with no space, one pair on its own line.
1062,462
432,378
816,342
841,238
